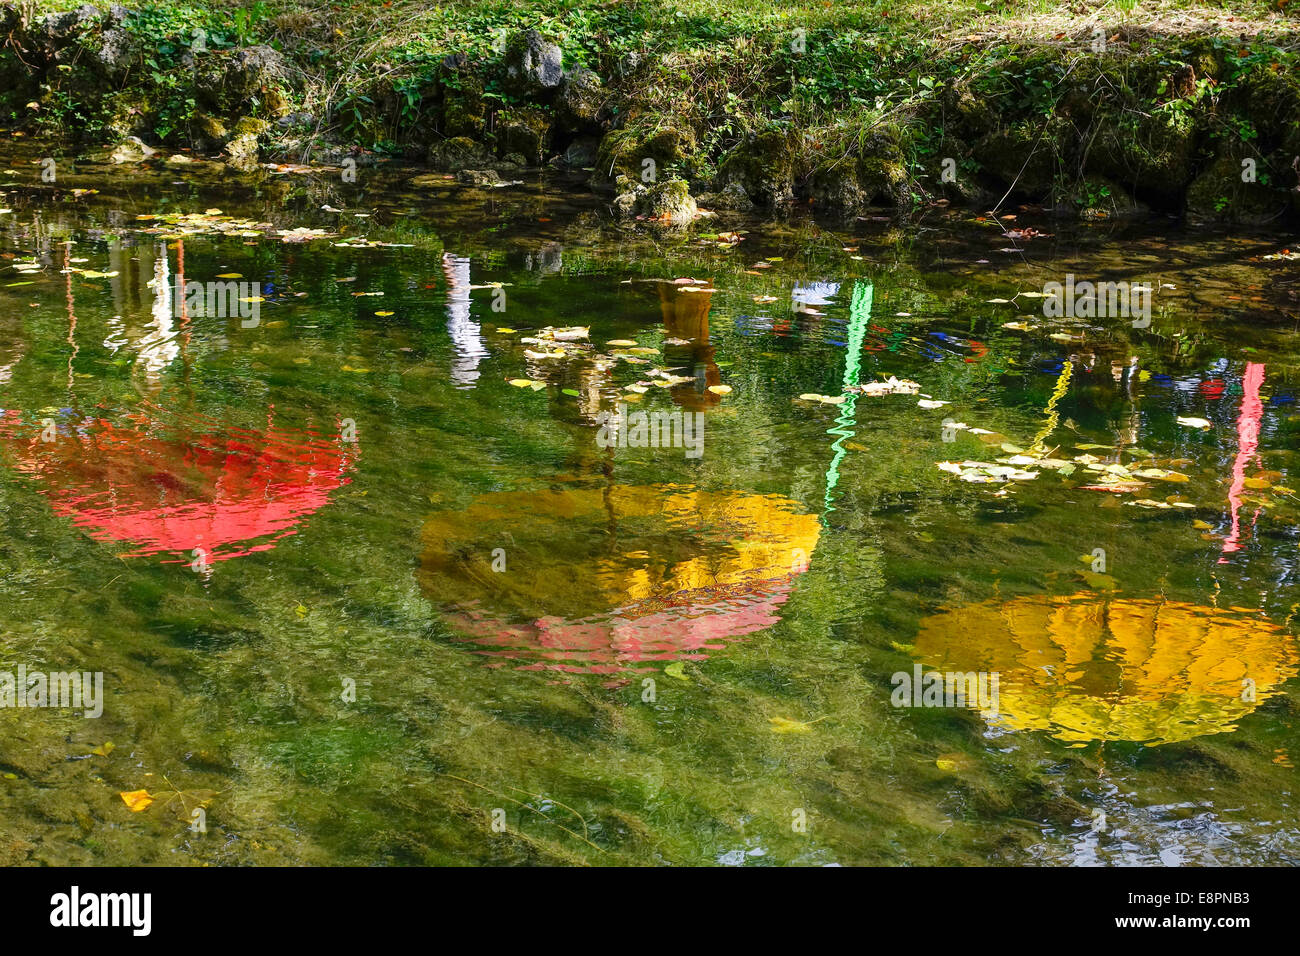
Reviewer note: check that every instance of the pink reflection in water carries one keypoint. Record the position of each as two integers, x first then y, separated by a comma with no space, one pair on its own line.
1248,421
694,623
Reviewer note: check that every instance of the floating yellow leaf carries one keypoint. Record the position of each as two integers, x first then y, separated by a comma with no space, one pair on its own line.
136,800
104,749
675,670
720,389
784,725
621,343
953,762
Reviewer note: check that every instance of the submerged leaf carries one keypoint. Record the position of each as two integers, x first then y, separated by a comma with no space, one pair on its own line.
136,800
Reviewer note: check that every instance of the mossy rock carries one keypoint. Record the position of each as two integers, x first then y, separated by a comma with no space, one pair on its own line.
882,169
580,103
963,114
459,152
764,166
1028,156
1270,102
837,189
642,155
1219,193
669,201
526,131
1096,199
732,198
243,150
464,111
208,133
1155,152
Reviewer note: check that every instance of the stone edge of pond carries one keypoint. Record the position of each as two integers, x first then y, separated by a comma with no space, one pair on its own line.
1097,126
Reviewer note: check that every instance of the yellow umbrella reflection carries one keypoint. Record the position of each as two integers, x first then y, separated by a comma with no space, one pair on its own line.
1086,668
599,579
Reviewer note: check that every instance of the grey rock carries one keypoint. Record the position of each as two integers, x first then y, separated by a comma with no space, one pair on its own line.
581,153
533,64
60,29
733,197
252,69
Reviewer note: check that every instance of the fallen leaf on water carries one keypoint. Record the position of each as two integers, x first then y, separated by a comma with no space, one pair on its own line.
720,389
104,749
784,725
136,800
953,762
675,670
574,334
1193,422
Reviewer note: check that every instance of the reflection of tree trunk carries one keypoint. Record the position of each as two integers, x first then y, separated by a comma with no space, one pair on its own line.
686,316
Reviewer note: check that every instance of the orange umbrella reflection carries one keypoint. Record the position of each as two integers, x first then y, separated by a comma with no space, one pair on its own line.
188,487
1085,668
599,580
686,317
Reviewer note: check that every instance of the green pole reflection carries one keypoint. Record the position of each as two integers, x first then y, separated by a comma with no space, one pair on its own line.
859,316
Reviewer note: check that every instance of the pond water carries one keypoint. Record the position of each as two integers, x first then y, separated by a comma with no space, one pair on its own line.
370,579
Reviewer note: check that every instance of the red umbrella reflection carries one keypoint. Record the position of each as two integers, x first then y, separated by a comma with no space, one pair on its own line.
194,487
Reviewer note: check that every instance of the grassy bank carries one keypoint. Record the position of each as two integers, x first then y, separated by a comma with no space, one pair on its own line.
1098,109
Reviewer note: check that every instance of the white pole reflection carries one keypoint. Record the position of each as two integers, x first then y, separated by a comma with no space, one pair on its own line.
464,331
